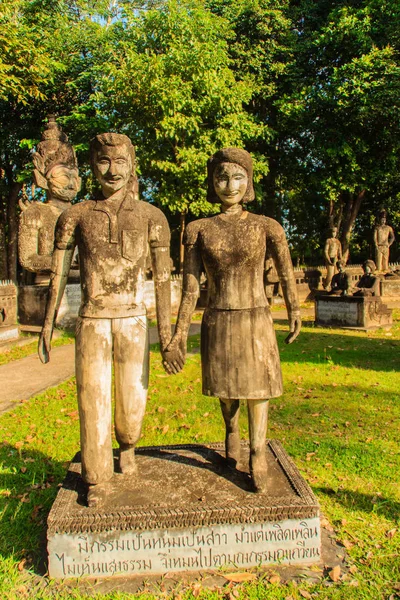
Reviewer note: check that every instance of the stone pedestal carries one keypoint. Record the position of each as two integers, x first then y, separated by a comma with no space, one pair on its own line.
357,312
390,288
8,311
32,305
185,510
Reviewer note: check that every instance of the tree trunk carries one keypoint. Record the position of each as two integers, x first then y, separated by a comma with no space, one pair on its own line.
3,244
181,246
352,208
12,227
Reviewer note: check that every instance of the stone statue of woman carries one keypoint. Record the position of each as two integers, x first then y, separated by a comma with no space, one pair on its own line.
239,353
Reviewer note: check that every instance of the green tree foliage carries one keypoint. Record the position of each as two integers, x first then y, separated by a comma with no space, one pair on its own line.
170,86
342,116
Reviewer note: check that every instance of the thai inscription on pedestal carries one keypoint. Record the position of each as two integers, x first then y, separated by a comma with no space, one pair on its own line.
211,519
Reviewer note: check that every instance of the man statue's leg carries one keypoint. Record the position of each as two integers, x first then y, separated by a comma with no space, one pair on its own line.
131,372
258,421
93,378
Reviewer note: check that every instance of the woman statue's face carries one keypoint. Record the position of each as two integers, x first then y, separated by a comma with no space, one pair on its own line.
230,183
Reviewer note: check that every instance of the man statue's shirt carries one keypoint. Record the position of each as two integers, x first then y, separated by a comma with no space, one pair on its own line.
113,236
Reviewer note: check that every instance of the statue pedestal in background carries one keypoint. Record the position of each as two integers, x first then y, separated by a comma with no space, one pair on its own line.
8,312
149,524
32,301
356,312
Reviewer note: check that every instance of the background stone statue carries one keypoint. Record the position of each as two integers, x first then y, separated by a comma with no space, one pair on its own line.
340,281
56,171
112,233
383,239
239,353
332,254
369,283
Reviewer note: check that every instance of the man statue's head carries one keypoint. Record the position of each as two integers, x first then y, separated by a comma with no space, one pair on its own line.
112,157
333,232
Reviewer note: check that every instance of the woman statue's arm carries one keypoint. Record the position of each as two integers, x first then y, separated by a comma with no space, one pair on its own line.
174,355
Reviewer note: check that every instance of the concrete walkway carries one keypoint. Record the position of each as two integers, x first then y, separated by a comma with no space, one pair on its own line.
21,379
26,377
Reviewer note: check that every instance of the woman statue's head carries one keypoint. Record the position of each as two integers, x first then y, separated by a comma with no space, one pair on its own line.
230,177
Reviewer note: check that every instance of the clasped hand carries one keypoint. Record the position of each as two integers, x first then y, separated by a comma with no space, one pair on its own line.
174,355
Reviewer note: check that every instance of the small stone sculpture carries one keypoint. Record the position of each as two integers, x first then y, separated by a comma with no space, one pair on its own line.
239,353
368,285
340,281
383,239
332,254
56,171
112,234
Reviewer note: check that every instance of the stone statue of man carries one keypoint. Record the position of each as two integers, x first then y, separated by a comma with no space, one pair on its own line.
332,254
56,171
383,239
112,233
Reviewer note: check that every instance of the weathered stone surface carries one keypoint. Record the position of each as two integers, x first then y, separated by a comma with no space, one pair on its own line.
185,510
361,312
240,357
332,254
383,239
390,288
8,308
56,171
113,234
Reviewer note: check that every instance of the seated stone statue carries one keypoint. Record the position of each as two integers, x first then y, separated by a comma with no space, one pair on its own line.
56,171
369,283
340,281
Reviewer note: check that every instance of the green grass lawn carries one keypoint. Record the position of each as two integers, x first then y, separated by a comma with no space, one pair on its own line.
339,419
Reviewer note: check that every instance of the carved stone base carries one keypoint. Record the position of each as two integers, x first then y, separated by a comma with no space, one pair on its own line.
184,510
354,312
390,288
32,305
8,333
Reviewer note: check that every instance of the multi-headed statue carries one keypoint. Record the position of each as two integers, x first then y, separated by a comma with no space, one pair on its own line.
56,171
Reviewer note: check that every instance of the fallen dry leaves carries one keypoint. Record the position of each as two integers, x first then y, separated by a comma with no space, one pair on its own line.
334,574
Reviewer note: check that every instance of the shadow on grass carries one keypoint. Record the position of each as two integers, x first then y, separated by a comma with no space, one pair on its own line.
368,503
362,352
29,483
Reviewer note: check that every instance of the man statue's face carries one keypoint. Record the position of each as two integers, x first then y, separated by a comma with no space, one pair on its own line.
63,183
112,168
383,220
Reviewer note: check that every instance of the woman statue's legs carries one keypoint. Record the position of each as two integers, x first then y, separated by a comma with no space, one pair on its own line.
230,412
258,421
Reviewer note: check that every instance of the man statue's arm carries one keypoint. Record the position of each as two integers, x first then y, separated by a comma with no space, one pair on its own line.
391,237
162,284
61,264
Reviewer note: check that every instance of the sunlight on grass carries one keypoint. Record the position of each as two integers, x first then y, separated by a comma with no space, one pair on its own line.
339,419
